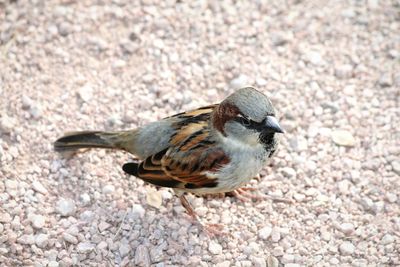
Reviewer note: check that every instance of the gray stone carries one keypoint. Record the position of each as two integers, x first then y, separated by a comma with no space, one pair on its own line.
124,249
142,257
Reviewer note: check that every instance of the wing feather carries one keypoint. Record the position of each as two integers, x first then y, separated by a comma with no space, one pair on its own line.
192,153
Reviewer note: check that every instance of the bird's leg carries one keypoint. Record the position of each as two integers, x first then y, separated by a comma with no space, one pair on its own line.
210,229
243,194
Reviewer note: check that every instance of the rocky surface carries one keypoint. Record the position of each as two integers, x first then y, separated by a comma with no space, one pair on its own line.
331,69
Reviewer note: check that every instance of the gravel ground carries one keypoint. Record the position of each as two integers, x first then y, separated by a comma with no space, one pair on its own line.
331,69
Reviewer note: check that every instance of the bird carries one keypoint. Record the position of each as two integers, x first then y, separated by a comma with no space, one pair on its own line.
209,150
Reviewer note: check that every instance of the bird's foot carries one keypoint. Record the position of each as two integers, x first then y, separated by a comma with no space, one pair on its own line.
212,230
243,195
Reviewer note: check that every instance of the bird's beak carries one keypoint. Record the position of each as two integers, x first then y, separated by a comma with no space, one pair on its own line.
272,125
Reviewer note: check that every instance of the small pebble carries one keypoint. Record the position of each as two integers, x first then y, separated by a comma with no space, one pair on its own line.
344,71
387,239
53,264
258,262
85,199
289,172
265,232
386,80
70,238
239,82
41,240
142,257
38,221
396,167
346,248
137,211
124,249
272,261
65,207
343,138
347,228
154,198
214,248
38,187
108,189
85,247
86,93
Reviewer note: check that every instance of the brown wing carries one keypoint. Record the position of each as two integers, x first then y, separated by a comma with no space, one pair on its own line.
192,153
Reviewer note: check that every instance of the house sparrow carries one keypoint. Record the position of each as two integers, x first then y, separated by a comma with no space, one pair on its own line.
212,149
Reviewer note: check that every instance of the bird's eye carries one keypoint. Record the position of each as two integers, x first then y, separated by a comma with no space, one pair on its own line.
243,120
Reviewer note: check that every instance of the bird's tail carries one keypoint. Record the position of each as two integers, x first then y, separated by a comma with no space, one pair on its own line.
92,139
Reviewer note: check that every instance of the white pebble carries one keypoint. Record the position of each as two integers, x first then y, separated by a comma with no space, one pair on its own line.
347,228
275,236
70,238
265,232
251,249
387,239
137,211
85,199
287,258
258,262
5,218
11,184
41,240
85,247
347,248
38,187
391,197
86,93
52,264
108,189
288,172
214,248
38,221
26,239
239,82
278,251
65,207
272,261
103,226
343,138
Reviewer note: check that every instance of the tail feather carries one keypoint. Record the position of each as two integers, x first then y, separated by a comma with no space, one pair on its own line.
86,139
